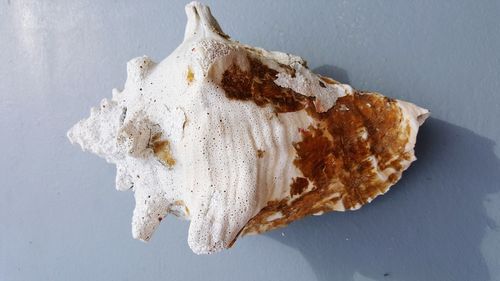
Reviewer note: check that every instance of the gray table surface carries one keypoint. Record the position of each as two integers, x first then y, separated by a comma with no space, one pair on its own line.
62,219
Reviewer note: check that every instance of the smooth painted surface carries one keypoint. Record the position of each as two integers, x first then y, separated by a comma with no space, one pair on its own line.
61,219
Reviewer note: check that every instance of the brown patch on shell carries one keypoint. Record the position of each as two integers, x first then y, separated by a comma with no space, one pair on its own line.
257,84
337,159
190,75
260,153
161,149
298,186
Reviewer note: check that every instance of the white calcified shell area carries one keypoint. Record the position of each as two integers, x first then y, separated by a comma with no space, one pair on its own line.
186,149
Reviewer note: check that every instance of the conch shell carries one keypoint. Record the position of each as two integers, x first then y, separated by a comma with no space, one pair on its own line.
241,140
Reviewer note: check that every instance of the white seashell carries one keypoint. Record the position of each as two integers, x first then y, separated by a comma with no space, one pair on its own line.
240,140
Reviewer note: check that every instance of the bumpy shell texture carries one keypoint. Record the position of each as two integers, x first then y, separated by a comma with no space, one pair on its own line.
240,140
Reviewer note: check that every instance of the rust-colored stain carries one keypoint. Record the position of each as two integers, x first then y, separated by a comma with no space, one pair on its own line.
190,75
336,159
161,149
260,153
257,84
298,186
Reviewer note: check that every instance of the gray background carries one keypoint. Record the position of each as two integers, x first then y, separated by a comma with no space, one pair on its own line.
62,219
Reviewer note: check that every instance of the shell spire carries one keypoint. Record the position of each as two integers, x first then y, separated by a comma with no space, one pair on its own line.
200,22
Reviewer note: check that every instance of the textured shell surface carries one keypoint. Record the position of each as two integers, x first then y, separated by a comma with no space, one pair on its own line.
240,140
